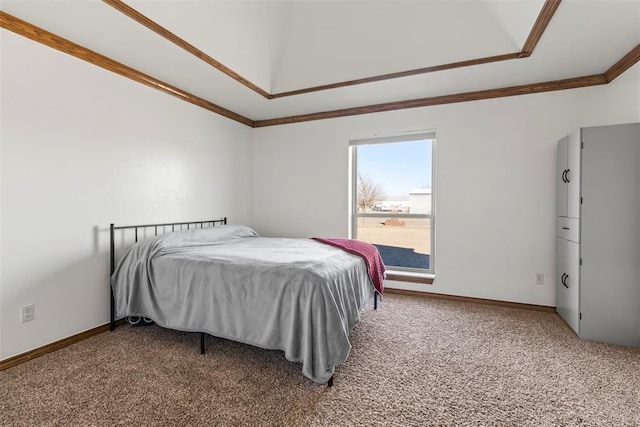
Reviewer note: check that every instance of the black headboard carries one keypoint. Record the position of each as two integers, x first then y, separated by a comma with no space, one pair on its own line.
163,229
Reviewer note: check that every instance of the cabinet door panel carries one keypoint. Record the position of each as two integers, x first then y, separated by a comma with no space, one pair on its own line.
610,301
573,175
561,186
568,282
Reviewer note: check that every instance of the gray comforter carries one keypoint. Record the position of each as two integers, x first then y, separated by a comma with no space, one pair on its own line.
295,295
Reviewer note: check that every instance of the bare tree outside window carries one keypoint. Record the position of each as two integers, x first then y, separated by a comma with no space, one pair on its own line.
369,193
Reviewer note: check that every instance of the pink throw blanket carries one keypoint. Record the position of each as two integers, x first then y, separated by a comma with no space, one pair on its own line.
367,252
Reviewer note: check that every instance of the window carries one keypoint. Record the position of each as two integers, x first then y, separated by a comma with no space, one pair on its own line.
392,198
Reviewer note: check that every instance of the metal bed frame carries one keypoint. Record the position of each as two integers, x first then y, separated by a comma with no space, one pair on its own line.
173,225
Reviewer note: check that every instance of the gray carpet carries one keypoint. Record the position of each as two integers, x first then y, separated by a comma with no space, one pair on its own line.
414,362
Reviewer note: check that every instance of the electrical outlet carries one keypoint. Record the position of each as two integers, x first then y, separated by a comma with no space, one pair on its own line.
28,312
539,279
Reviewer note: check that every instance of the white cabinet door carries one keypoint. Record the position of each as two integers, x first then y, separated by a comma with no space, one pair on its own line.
572,175
610,279
568,282
568,176
561,184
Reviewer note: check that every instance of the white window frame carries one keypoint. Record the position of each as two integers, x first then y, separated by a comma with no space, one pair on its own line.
354,214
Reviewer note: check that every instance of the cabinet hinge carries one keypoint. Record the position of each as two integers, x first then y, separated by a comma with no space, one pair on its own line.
582,145
580,200
580,261
580,316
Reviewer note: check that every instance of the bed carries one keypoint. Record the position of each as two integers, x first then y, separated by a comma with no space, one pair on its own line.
301,296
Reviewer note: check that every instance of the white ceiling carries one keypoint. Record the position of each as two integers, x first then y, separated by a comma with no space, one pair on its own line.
287,45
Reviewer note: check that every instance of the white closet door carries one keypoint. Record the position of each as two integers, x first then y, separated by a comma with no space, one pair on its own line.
610,239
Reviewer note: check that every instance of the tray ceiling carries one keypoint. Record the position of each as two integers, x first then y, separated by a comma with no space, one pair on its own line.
278,47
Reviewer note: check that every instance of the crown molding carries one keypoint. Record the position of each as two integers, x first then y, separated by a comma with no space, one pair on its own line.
544,17
527,89
626,62
56,42
546,13
158,29
409,73
39,35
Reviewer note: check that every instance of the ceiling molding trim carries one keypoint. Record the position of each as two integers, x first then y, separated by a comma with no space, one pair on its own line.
626,62
409,73
546,13
163,32
527,89
544,17
56,42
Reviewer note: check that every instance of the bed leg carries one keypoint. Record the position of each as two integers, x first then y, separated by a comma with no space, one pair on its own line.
112,267
201,342
330,382
112,322
375,300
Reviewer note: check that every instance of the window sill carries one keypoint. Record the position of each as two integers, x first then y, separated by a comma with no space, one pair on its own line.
405,276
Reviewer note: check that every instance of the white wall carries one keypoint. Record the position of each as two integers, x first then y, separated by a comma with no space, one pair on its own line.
80,148
495,188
